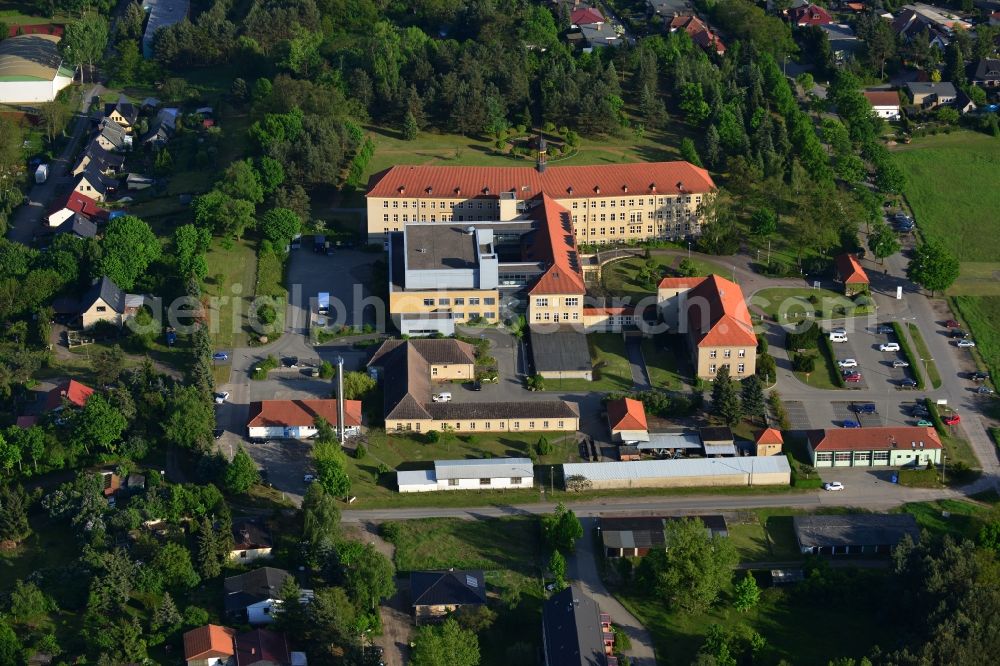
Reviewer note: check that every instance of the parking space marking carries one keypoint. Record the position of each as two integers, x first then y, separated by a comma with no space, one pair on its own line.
798,416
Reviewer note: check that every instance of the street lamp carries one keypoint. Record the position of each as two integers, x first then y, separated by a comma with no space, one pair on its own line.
689,249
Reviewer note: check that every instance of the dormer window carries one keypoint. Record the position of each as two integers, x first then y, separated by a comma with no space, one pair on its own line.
624,188
652,187
597,189
401,190
429,190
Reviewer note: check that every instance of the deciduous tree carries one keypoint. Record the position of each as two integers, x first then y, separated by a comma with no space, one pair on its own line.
933,267
241,473
129,247
445,645
562,529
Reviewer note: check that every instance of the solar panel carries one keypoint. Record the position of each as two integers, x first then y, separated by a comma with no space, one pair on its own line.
471,581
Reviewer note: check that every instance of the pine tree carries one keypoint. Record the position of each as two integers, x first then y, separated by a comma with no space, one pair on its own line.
166,616
208,555
13,513
409,127
753,397
725,398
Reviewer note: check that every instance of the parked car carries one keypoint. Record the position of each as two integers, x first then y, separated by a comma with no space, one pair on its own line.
889,347
924,423
951,323
865,408
475,385
308,478
959,333
980,376
900,364
851,424
221,397
984,390
920,410
838,336
290,361
908,383
856,377
220,356
965,343
441,397
883,328
833,485
848,363
952,419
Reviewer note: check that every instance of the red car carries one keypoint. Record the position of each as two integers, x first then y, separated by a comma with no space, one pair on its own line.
856,377
951,323
952,419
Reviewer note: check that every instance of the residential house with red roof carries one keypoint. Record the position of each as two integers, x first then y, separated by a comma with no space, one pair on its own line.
71,203
699,32
851,274
769,442
210,645
296,419
586,16
713,314
809,15
902,446
69,392
627,420
885,103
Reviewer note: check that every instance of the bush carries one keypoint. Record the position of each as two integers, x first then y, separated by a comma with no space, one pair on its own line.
804,363
261,369
432,437
911,358
266,314
778,408
360,452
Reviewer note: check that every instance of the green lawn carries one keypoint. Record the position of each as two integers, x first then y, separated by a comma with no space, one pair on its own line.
964,519
792,304
611,367
620,278
661,363
823,375
982,313
951,187
452,149
237,266
958,450
930,368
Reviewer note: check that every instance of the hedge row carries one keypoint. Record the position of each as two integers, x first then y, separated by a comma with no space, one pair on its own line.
911,358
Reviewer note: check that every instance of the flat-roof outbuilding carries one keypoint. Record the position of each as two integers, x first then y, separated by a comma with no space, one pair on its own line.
853,533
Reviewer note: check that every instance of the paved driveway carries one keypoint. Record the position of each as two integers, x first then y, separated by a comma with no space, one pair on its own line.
633,351
346,276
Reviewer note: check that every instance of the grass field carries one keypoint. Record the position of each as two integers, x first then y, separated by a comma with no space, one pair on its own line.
661,362
790,304
452,149
964,519
930,368
611,367
620,277
982,313
951,186
236,265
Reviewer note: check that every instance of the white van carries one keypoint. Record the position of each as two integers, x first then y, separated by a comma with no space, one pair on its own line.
441,397
838,336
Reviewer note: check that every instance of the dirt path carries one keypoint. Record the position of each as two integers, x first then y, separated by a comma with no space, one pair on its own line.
396,622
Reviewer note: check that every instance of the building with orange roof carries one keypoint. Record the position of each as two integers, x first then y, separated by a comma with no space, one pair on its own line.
627,421
610,203
296,418
69,392
210,645
769,442
903,446
885,103
851,274
713,314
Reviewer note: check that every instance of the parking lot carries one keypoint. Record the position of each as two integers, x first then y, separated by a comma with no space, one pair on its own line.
346,275
876,367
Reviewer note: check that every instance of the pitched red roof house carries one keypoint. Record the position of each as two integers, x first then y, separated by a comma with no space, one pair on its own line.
72,390
680,282
872,439
770,436
809,15
586,16
78,203
555,243
261,646
209,642
700,33
559,182
718,315
850,270
302,412
882,97
626,414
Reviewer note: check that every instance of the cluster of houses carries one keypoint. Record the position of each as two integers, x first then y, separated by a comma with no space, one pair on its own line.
590,29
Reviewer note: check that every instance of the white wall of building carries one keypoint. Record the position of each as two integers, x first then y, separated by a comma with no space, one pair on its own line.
262,611
292,432
26,92
431,485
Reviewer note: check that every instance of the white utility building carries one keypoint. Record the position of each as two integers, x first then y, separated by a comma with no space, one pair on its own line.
474,474
31,69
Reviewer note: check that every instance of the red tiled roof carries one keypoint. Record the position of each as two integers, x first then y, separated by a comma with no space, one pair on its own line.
72,390
209,641
261,646
810,15
586,16
700,33
559,182
78,203
855,6
626,414
873,439
302,412
882,97
680,282
35,29
850,270
556,244
728,319
770,436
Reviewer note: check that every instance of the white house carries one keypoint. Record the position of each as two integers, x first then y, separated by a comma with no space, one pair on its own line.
31,69
296,419
885,103
250,542
256,593
474,474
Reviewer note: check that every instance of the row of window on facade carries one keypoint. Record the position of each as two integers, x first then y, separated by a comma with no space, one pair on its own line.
494,204
514,481
740,369
859,456
488,425
633,217
461,301
727,353
555,316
